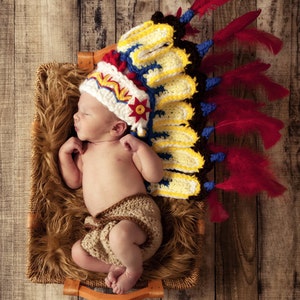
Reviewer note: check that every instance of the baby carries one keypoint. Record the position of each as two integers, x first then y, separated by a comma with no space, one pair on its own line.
111,167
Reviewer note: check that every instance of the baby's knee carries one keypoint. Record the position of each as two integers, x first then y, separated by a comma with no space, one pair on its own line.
118,235
126,232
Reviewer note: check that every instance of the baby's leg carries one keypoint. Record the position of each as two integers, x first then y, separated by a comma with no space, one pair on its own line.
125,238
86,261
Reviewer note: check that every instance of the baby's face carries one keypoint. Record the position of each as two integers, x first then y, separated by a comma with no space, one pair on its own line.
93,120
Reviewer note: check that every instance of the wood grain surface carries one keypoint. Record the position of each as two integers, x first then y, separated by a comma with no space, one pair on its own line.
256,253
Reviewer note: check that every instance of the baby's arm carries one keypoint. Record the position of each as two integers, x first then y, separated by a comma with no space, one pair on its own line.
146,160
69,165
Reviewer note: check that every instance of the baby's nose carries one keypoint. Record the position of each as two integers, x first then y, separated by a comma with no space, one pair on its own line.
75,117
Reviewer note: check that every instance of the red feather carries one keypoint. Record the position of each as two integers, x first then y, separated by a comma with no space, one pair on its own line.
249,174
255,36
211,62
198,4
201,7
274,90
216,209
240,116
227,33
228,103
252,76
228,107
243,121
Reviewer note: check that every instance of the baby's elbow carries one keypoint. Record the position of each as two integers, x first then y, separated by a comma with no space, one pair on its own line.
73,184
160,175
160,172
153,173
157,176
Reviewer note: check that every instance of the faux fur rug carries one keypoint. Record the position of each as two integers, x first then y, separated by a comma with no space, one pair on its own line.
57,212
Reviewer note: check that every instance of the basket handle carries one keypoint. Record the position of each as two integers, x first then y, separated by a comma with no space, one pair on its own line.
74,288
88,60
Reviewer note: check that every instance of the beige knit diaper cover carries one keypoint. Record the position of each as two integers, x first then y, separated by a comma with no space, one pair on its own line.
141,209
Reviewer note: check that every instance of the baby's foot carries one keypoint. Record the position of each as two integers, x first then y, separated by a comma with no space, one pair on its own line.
113,275
126,281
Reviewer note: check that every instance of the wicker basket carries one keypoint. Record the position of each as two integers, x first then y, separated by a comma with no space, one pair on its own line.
57,212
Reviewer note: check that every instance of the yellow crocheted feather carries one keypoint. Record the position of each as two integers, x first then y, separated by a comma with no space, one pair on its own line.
152,40
179,88
184,160
172,114
177,136
171,63
180,186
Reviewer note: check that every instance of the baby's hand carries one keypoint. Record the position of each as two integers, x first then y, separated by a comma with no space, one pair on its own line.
72,145
130,142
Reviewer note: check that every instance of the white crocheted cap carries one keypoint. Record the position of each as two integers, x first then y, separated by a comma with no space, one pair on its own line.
120,95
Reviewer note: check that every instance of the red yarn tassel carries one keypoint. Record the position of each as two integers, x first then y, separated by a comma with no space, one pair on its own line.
201,7
241,116
227,33
249,174
252,76
216,210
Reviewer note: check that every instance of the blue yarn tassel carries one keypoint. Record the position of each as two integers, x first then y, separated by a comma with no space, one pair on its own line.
209,185
207,108
204,47
217,157
187,16
212,82
207,131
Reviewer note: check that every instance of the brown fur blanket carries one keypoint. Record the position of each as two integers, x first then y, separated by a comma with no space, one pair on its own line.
57,212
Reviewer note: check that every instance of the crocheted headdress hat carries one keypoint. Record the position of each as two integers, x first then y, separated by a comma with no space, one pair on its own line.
159,83
120,95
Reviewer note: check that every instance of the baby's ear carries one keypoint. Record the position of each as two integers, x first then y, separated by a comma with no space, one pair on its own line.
118,128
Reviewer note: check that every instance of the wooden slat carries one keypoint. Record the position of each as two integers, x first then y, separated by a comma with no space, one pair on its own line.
279,218
45,31
236,256
130,13
97,25
293,171
7,152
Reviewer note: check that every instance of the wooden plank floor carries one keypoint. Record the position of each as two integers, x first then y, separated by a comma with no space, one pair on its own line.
254,255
